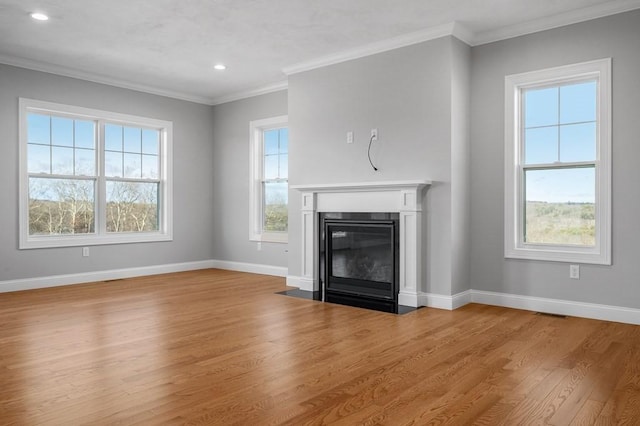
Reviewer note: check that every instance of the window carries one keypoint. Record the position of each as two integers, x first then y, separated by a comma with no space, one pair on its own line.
269,179
558,164
92,177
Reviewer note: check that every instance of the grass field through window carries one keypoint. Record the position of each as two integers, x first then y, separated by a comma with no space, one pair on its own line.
560,223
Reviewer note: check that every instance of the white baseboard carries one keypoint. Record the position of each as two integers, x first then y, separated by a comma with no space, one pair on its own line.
440,301
87,277
557,306
430,300
461,299
302,283
409,299
253,268
115,274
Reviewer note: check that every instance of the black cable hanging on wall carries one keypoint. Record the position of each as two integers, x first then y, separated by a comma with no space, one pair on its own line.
369,153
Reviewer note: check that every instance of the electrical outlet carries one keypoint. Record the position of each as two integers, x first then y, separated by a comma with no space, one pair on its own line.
574,272
349,137
259,246
85,251
374,134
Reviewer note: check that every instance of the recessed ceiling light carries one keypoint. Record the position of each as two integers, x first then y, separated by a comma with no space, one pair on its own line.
220,67
39,16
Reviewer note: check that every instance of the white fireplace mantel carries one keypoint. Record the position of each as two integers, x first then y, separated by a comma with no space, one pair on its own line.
403,197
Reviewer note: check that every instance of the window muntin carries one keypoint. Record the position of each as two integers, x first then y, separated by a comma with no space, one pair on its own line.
61,163
559,146
269,180
557,164
275,180
92,177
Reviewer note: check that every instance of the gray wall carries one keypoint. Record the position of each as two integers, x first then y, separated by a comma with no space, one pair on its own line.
230,169
407,95
193,174
617,37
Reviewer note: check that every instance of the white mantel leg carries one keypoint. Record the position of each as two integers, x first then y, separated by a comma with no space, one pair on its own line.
410,247
309,280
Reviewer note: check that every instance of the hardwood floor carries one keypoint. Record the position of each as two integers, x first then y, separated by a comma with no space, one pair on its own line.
219,347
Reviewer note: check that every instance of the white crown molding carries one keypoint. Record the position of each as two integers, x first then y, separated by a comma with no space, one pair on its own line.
276,87
462,33
555,21
372,49
97,78
454,29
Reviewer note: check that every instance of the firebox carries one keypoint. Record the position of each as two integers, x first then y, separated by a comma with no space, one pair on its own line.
359,259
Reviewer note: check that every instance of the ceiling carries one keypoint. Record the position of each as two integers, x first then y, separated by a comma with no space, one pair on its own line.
169,47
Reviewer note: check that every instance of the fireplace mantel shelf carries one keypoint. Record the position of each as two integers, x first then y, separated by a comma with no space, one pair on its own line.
362,186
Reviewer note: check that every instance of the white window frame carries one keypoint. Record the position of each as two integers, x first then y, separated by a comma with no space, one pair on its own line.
256,132
100,236
515,247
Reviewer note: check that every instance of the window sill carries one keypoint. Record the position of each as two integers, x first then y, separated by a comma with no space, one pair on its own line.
559,254
79,240
270,238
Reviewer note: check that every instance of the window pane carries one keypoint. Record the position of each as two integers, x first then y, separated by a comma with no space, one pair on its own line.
61,206
112,137
560,206
132,165
541,145
113,164
61,161
61,131
132,207
85,162
39,158
578,102
578,142
150,167
541,107
132,139
271,142
271,167
284,141
275,206
85,134
38,130
150,141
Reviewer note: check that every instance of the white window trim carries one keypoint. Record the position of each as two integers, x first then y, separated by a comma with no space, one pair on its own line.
256,129
165,232
513,220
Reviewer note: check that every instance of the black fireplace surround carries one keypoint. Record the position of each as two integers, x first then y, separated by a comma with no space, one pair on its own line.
359,259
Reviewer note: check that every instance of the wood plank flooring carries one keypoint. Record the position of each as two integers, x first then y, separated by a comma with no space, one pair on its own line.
218,347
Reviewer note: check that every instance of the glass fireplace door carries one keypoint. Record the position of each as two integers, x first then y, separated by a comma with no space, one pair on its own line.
360,258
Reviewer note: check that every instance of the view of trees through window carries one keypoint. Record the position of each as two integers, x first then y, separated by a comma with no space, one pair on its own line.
63,176
61,206
275,183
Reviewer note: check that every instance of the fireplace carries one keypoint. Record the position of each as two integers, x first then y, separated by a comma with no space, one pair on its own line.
403,198
359,259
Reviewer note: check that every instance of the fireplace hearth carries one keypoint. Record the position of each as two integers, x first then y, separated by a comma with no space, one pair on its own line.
359,259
